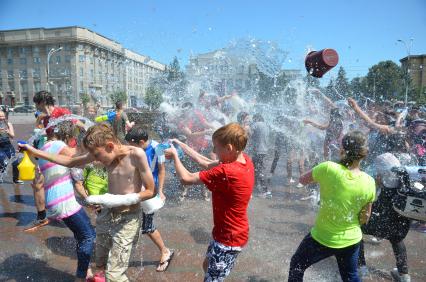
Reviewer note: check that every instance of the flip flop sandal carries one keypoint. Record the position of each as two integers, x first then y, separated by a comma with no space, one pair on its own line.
167,262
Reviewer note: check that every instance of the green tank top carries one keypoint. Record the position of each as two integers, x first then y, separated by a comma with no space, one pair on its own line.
95,180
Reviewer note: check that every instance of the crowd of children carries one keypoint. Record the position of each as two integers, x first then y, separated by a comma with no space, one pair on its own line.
122,167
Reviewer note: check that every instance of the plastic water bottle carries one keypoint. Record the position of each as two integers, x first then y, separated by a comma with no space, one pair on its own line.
26,167
110,116
166,145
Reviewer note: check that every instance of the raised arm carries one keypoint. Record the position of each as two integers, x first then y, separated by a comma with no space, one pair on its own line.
316,125
10,131
327,100
186,177
367,119
59,159
203,161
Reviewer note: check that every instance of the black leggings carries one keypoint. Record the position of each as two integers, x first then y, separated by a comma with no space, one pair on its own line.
399,251
386,223
259,169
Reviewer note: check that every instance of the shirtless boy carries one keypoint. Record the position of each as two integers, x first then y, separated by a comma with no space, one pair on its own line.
128,171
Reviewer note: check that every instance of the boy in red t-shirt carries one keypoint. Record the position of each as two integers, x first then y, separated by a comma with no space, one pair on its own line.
231,181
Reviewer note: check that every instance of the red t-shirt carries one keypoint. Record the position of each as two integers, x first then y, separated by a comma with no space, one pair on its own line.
57,112
231,185
196,123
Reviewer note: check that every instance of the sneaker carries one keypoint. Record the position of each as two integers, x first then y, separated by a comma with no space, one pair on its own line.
299,185
400,277
207,199
374,240
363,271
20,182
291,181
266,195
308,198
38,223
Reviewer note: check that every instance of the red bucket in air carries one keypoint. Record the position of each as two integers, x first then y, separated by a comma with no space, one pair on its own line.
317,63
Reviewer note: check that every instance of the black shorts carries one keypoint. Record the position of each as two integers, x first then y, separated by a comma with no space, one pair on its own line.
148,226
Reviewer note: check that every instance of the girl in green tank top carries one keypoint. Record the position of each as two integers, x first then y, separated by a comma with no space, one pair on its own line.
95,179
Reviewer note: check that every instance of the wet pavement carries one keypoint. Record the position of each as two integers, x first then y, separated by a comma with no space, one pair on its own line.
277,226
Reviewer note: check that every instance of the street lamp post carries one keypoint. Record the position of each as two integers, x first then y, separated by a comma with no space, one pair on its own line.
51,52
407,79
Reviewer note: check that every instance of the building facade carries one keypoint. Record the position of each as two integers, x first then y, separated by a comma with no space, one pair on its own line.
70,62
226,73
415,65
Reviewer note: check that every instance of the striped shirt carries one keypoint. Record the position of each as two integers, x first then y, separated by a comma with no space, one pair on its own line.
58,185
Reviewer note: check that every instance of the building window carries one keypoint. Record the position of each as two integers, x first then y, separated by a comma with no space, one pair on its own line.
10,52
10,61
37,86
67,59
58,59
91,74
23,61
91,60
37,60
81,71
81,58
80,47
81,86
11,85
23,74
24,86
22,51
36,72
10,74
36,50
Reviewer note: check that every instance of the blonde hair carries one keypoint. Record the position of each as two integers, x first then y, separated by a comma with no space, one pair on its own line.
98,135
233,134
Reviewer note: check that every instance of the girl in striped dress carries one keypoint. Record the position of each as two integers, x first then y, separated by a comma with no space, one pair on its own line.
61,203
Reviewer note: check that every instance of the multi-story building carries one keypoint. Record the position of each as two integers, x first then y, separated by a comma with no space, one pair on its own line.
415,67
225,72
70,61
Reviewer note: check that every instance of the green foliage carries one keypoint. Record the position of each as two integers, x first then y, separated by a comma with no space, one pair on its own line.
85,99
118,96
270,88
341,83
153,97
330,90
173,71
385,81
358,87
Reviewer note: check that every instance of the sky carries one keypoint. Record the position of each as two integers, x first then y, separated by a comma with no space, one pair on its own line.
363,32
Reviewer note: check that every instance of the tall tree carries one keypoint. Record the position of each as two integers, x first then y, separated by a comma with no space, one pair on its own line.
330,90
270,88
153,98
174,72
342,83
385,81
358,87
118,96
